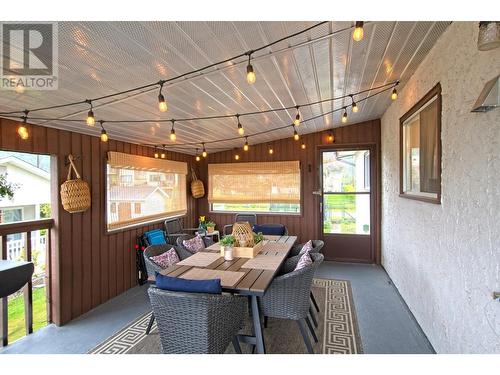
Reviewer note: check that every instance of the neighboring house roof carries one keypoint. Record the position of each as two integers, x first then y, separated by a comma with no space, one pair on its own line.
25,165
133,193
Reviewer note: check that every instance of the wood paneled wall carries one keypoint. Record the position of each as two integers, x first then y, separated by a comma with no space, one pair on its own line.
87,265
305,225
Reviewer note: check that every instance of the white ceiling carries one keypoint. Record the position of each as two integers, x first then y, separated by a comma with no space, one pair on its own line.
99,58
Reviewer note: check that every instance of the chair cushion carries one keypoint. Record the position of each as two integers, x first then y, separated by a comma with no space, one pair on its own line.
156,237
166,259
278,230
194,245
178,284
304,261
308,246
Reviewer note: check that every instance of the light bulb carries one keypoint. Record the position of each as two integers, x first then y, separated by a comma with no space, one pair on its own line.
344,117
355,107
271,151
251,78
90,118
303,146
296,135
162,155
22,131
104,136
358,33
236,157
297,118
204,154
241,131
173,137
198,158
20,89
394,94
245,147
331,138
162,104
156,155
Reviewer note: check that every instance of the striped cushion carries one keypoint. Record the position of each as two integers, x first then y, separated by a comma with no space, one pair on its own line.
308,246
304,261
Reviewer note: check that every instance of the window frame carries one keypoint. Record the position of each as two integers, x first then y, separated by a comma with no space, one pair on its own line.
421,104
108,231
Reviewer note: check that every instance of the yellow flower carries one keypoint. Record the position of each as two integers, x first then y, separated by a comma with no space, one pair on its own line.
202,218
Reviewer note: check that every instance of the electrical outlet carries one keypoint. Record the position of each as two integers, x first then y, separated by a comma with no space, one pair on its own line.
496,295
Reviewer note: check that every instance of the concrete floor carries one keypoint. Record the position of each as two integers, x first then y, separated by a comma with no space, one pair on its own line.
386,325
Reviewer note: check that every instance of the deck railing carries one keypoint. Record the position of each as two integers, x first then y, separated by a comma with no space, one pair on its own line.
24,228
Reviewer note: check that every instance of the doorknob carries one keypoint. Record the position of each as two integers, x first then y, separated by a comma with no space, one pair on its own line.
317,192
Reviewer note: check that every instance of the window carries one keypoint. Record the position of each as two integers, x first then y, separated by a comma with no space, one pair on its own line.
255,187
420,138
140,198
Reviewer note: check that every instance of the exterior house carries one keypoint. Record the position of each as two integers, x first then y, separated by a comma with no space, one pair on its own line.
33,191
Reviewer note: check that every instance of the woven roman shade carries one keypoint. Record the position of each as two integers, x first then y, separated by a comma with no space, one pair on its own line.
128,161
271,182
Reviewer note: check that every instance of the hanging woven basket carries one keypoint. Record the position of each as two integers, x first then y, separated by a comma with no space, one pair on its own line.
197,188
75,193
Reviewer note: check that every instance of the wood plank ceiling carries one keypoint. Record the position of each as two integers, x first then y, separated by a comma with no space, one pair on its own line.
99,58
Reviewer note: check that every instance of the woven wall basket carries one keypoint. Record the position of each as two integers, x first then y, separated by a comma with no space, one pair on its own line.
197,188
75,194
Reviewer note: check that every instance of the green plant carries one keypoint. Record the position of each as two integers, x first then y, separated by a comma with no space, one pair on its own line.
258,237
210,224
45,211
7,188
227,241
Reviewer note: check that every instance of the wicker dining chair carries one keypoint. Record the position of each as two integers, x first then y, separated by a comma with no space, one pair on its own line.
294,257
288,297
152,267
197,323
208,241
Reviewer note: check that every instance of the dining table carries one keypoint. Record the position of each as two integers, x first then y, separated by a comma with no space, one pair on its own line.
244,276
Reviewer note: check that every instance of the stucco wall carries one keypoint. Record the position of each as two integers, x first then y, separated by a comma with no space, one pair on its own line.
445,259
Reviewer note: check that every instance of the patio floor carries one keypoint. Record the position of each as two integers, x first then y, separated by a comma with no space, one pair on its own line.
386,325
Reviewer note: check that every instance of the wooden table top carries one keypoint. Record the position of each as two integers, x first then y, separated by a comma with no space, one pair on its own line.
251,280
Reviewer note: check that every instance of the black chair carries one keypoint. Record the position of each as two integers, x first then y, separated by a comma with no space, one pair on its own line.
250,218
174,229
271,229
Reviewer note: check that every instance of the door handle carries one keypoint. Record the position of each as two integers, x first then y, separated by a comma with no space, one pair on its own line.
317,192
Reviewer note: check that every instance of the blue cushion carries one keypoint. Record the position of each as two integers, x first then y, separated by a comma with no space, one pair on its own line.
177,284
274,230
156,237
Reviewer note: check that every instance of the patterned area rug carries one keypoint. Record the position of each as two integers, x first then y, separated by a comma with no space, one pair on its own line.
337,329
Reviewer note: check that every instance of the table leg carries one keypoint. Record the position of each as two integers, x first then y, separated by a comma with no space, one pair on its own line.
257,327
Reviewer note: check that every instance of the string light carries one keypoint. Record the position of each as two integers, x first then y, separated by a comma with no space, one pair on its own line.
162,155
90,115
394,94
162,104
297,117
295,134
204,152
271,151
22,130
251,78
20,88
303,146
344,116
198,158
245,146
241,131
173,137
104,135
358,32
236,157
354,106
156,153
331,138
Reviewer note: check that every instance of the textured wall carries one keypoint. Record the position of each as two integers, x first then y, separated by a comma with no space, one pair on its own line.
445,259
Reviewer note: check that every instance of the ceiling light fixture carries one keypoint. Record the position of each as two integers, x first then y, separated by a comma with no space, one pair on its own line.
394,94
197,155
204,153
162,104
241,131
303,146
104,135
173,137
236,157
22,130
251,78
90,114
296,135
271,151
245,146
354,106
297,117
358,32
344,116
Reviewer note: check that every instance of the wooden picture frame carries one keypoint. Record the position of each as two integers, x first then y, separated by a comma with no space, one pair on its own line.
433,96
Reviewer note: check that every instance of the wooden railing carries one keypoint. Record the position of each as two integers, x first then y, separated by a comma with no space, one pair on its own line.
25,227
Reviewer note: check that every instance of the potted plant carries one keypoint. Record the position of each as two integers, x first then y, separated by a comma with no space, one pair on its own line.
227,244
210,226
258,237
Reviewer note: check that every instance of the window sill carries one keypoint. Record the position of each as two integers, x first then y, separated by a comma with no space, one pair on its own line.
421,198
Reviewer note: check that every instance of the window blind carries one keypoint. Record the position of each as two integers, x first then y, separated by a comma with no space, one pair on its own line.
142,189
263,182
